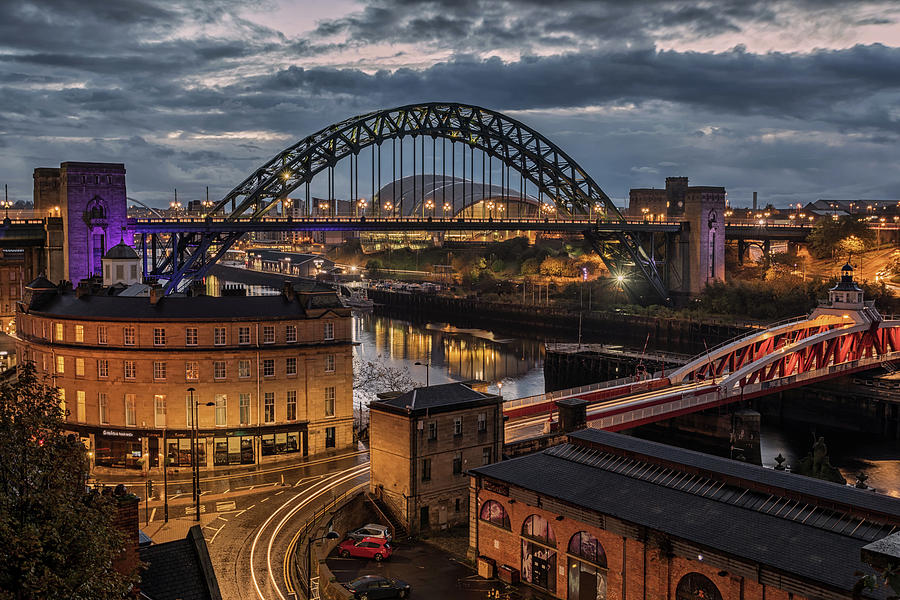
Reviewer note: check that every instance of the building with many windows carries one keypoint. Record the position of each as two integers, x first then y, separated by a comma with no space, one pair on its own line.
423,442
272,375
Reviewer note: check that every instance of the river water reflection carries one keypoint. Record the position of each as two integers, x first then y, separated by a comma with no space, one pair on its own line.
517,362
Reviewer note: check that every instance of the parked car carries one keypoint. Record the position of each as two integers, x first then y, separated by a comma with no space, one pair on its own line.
377,548
373,530
373,587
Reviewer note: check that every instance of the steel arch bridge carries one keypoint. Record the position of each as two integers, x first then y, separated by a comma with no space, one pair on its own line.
516,145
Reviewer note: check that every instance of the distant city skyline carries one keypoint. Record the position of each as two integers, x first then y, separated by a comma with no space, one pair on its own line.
796,100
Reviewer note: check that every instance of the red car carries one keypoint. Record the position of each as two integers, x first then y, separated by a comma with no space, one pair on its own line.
377,548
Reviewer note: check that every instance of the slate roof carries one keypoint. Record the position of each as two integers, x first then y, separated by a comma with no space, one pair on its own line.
179,570
814,553
435,399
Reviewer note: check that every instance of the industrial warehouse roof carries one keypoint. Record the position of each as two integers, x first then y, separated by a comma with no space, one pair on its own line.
459,193
640,482
435,399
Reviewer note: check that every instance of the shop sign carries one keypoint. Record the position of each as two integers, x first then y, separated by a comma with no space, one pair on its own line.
497,488
113,433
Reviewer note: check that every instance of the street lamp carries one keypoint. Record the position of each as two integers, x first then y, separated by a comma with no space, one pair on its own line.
445,209
490,207
427,372
323,206
389,206
361,206
331,535
429,205
195,451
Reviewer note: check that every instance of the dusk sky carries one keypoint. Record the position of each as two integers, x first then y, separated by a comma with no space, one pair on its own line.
798,100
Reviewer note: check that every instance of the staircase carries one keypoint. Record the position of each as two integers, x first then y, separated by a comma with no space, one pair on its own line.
398,530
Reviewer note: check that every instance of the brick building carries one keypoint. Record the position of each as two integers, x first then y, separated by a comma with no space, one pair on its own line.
278,370
608,516
421,445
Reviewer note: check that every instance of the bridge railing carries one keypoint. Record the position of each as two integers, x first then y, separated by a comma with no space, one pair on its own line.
745,335
550,396
401,219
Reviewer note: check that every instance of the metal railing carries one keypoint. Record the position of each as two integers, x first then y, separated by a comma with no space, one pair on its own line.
548,396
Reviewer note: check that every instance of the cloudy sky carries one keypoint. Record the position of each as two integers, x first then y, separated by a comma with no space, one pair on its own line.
797,99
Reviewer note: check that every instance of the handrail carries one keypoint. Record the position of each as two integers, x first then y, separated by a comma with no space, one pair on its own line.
548,396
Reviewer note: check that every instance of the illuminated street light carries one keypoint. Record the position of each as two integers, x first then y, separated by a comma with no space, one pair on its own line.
446,208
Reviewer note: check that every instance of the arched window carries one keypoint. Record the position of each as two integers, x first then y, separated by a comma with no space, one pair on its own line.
494,513
695,586
585,546
537,528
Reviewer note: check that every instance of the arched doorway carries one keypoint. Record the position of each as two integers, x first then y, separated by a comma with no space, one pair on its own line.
587,568
695,586
539,553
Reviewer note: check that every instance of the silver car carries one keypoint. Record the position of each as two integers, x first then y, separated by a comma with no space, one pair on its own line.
371,530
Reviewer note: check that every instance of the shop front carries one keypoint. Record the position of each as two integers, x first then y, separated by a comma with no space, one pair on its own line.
123,448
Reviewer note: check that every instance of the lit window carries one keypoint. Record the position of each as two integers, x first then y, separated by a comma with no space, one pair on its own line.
130,417
81,407
189,409
269,405
292,405
290,334
268,334
329,331
60,365
243,335
290,365
128,336
219,336
221,402
329,363
245,409
494,513
59,332
102,335
243,369
190,336
159,370
191,370
159,336
159,410
269,367
102,403
79,333
329,401
219,369
79,367
129,368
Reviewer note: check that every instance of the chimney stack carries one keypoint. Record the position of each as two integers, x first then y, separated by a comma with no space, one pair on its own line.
156,294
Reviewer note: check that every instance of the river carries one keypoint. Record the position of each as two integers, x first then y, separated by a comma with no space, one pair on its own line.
513,365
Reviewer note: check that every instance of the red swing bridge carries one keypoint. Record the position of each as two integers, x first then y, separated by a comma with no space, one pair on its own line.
845,335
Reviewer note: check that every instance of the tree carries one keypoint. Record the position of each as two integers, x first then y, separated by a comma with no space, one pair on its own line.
372,377
828,234
57,538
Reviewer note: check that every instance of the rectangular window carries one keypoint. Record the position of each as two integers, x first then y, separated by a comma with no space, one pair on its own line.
62,403
485,456
159,336
60,365
130,370
329,401
268,334
245,409
103,368
159,410
432,430
292,405
290,365
457,464
457,426
329,331
330,440
102,335
81,407
79,333
130,417
426,469
190,336
219,336
269,406
104,409
482,422
191,370
329,363
219,369
159,370
243,369
59,332
221,402
128,336
79,367
290,334
268,367
243,335
189,409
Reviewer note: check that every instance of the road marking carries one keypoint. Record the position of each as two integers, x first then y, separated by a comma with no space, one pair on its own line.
249,507
191,510
279,493
266,499
223,518
225,506
152,514
213,538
